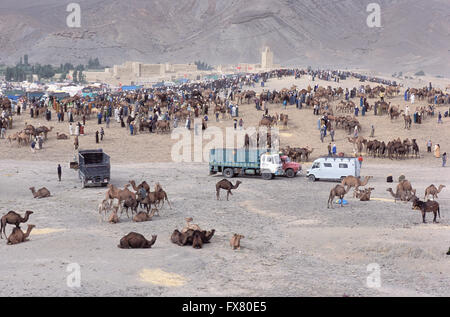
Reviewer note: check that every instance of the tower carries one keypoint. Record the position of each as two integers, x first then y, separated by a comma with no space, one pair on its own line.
267,58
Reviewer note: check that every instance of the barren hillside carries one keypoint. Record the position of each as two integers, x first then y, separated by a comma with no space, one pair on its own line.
414,35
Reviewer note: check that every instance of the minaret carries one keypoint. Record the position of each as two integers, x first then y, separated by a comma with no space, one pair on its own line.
267,58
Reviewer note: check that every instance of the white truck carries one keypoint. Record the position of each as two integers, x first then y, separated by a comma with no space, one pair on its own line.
333,168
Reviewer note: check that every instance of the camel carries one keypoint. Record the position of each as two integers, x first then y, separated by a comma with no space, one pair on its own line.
161,195
351,181
44,130
130,203
197,239
187,238
121,195
406,186
338,191
13,218
364,195
61,136
190,226
235,241
143,216
18,236
142,185
135,240
103,208
401,195
424,207
408,121
226,185
114,218
41,193
433,191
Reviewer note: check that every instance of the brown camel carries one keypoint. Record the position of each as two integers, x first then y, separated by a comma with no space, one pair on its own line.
61,136
141,185
406,186
18,236
364,195
161,195
351,181
119,194
226,185
135,240
401,195
235,241
130,203
143,216
187,238
114,218
433,191
41,193
338,191
13,218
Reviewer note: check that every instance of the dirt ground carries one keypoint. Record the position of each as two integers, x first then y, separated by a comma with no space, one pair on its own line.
293,245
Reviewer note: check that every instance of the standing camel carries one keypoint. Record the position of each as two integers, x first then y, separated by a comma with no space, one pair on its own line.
338,191
13,218
433,191
351,181
226,185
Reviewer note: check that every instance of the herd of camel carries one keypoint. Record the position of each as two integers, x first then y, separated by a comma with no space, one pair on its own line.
404,192
123,199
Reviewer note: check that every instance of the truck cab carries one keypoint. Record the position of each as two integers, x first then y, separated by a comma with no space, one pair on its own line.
271,165
290,168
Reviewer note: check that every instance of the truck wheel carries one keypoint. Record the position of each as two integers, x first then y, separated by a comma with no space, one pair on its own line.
290,173
267,176
228,173
312,178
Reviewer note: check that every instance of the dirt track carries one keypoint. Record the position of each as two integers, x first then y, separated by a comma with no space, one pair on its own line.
293,246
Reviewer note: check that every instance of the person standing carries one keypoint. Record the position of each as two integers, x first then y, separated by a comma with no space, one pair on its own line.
59,169
437,151
76,143
440,117
329,149
444,159
33,146
360,160
96,135
429,145
334,150
372,132
102,134
332,134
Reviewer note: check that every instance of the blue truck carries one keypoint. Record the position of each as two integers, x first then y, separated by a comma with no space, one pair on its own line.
239,162
94,168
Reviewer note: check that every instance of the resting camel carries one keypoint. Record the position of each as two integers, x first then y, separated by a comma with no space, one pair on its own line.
351,181
235,241
433,191
338,191
196,238
18,236
226,185
13,218
41,193
61,136
401,195
406,186
135,240
114,218
364,195
143,216
424,207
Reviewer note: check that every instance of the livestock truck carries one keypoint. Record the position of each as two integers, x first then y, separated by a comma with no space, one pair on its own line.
257,162
94,168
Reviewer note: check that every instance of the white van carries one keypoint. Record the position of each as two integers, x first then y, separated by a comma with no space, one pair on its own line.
334,168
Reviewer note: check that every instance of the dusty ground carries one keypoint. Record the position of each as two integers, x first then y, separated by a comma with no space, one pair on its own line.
293,246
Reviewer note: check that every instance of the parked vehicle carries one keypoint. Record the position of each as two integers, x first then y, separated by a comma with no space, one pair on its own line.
334,168
94,168
290,168
239,162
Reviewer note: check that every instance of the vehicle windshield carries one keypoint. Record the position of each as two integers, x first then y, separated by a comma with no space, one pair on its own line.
276,159
316,165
